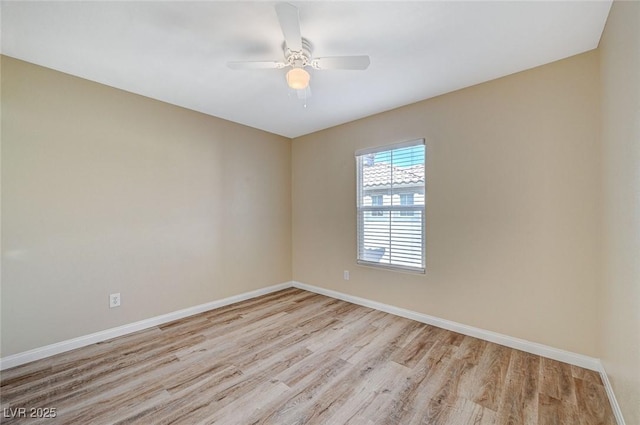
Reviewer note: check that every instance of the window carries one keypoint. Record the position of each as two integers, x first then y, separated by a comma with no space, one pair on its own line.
391,206
406,199
377,201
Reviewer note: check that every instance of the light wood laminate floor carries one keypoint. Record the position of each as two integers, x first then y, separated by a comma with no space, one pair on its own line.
294,357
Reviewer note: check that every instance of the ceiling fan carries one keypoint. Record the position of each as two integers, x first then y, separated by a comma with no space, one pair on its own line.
298,53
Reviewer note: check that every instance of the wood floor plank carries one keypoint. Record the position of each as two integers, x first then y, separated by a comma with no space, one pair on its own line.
466,412
552,411
295,357
386,393
433,374
416,347
586,375
556,380
519,401
352,396
470,353
442,404
593,405
491,376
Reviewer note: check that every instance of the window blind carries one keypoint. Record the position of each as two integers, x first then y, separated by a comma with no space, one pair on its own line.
391,206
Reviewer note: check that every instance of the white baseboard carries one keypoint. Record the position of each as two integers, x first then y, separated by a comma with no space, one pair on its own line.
576,359
617,412
71,344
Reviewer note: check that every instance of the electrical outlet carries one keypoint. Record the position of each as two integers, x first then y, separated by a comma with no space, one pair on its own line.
114,300
346,275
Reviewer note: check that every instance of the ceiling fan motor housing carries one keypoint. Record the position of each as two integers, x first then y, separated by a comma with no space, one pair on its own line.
298,59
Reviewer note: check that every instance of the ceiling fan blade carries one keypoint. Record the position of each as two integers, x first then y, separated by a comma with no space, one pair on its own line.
290,24
256,65
341,62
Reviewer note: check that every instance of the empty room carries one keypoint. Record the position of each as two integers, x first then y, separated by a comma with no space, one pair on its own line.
325,212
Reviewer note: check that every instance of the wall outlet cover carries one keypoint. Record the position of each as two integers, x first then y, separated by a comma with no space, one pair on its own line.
114,300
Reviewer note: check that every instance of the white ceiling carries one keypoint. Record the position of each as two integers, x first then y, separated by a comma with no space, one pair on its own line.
177,51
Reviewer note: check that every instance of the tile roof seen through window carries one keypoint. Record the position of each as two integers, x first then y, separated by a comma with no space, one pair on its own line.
381,174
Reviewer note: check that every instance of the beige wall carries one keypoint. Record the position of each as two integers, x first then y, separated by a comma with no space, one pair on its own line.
105,191
620,292
513,217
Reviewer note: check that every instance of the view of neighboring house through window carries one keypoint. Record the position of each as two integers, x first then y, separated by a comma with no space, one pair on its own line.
391,206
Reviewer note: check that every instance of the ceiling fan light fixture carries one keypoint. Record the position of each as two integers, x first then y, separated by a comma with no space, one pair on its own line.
298,78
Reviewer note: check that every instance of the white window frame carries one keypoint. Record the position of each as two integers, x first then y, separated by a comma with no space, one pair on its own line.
394,210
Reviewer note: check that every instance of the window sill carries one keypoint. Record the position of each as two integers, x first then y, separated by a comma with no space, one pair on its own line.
410,270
